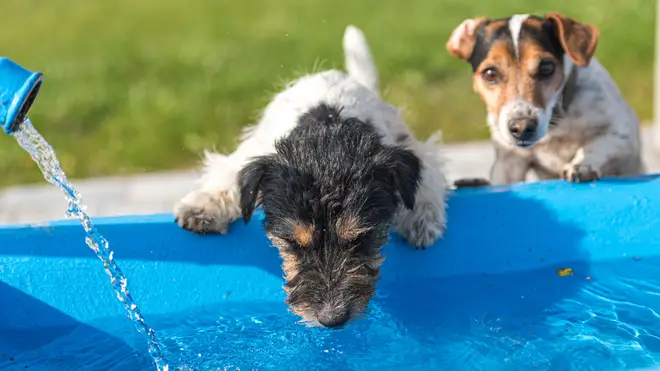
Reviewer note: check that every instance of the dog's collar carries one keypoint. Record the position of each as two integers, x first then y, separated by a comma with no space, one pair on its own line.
567,95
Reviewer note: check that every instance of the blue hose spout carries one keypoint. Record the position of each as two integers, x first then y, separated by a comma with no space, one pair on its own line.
18,90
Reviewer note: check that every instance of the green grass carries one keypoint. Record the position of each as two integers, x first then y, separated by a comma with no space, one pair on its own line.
146,87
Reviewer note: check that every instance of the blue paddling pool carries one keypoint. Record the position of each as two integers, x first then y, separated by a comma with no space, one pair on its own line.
541,276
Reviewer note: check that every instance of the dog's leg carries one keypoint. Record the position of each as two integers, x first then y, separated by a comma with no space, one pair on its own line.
508,168
215,204
598,158
426,222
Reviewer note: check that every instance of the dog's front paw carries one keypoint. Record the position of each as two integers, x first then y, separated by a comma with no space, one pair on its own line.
422,227
424,235
580,173
202,213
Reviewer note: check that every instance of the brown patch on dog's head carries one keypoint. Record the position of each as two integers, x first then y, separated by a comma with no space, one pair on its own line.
289,265
303,311
289,261
349,228
519,68
579,40
303,233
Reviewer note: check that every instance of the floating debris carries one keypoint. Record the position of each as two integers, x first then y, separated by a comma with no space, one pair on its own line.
562,272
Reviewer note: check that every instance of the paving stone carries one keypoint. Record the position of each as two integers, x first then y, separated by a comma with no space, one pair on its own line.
158,192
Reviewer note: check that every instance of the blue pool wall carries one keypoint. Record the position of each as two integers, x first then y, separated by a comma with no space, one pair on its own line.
52,284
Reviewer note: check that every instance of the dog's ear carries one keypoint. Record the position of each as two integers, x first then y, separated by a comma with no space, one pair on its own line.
462,39
579,40
250,179
405,170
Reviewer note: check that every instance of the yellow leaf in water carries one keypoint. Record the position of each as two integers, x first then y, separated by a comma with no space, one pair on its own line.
562,272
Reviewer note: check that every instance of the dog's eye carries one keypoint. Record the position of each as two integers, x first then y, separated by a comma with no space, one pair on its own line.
546,69
490,75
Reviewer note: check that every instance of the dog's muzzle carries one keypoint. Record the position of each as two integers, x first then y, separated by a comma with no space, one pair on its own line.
332,317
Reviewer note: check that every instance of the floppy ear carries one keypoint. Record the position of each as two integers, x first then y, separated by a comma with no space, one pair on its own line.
405,169
579,40
462,39
250,179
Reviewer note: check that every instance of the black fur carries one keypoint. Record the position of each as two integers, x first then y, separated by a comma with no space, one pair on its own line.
330,166
548,37
484,42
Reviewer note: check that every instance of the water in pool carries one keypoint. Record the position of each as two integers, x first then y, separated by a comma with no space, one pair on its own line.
603,317
606,320
44,156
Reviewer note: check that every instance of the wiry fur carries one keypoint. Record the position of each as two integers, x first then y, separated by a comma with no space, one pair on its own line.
334,167
327,169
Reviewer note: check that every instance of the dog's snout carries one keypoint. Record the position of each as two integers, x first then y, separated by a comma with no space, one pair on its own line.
523,129
333,317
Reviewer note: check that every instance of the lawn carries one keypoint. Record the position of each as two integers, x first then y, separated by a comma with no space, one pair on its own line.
147,86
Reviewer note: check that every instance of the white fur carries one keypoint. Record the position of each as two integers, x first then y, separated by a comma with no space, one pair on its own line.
457,42
358,60
599,133
521,108
216,200
515,25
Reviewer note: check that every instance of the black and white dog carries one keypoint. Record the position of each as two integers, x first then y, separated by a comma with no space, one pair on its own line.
334,167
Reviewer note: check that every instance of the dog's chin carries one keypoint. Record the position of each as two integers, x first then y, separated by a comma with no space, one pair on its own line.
524,143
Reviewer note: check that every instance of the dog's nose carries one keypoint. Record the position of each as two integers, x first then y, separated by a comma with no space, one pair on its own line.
333,318
523,129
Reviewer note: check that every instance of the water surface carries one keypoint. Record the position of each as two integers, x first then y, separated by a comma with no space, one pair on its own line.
606,320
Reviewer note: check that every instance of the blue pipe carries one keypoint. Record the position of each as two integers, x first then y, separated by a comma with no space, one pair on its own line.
18,90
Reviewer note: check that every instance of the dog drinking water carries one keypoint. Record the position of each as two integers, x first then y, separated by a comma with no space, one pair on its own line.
334,168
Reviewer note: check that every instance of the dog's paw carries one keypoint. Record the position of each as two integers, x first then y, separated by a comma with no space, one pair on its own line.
580,173
422,227
471,182
201,213
424,235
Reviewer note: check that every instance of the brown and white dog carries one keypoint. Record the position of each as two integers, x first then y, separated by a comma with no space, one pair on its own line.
552,107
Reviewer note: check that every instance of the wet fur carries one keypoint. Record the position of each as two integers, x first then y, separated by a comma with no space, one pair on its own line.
328,169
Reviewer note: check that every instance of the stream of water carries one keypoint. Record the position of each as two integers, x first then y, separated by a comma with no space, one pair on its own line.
44,155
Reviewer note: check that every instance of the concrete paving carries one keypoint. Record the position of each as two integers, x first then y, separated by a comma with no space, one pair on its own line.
158,192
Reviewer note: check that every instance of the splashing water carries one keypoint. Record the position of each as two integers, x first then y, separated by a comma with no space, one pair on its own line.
44,155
